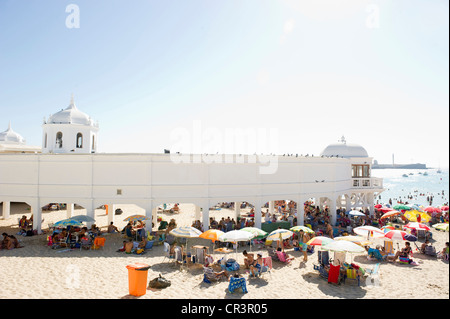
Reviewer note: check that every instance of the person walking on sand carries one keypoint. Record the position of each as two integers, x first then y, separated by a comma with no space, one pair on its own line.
302,240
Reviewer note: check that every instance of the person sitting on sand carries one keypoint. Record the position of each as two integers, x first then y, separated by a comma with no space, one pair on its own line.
424,246
128,247
6,242
112,228
257,265
215,274
444,253
249,258
23,223
329,230
401,253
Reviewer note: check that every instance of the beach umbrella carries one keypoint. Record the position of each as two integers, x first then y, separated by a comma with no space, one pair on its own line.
378,206
431,209
356,213
304,228
135,218
417,225
279,234
367,231
387,228
83,218
185,232
319,241
343,246
441,226
390,214
386,209
67,222
354,239
212,234
401,207
412,216
259,233
444,208
400,235
236,235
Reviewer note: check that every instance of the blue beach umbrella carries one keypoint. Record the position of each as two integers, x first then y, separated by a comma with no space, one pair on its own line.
67,222
83,218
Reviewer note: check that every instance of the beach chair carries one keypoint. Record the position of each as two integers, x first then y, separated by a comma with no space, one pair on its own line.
85,244
179,258
166,250
236,283
209,276
99,242
323,257
282,257
389,247
267,267
272,253
373,274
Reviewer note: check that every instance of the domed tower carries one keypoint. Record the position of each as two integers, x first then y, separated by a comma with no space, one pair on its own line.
343,149
69,131
12,142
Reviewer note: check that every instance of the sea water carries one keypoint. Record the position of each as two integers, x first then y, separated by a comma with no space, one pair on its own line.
398,188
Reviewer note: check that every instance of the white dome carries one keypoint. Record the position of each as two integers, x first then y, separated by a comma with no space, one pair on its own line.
70,115
344,150
11,137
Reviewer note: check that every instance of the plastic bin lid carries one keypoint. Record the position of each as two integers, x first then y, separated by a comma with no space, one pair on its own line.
138,266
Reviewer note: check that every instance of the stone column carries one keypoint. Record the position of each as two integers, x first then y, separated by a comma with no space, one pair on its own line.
301,211
258,213
36,211
6,211
271,206
333,209
237,210
205,217
111,213
198,212
70,208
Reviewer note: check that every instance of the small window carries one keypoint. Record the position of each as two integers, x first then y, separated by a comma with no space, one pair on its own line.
79,140
119,192
59,136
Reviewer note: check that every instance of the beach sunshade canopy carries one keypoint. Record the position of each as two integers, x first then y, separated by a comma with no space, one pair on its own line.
304,228
83,218
441,226
385,209
444,208
417,225
211,234
67,222
387,228
134,218
259,233
401,207
358,240
236,235
431,209
279,234
412,216
319,241
400,235
377,206
344,246
367,231
390,214
185,232
356,213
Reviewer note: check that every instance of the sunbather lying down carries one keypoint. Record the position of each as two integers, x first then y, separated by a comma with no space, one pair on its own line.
215,275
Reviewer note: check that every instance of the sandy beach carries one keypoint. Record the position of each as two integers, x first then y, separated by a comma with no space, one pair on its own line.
38,272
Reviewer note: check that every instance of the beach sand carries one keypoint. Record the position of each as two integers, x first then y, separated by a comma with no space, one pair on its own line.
38,272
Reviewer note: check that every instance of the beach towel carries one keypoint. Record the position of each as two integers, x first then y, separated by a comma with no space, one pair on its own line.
267,261
333,274
236,283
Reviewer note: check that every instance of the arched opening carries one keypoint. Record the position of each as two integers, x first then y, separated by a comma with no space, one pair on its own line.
79,141
59,141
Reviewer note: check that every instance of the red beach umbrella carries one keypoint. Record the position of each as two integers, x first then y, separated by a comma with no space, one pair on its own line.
385,209
431,209
417,225
390,214
444,208
378,206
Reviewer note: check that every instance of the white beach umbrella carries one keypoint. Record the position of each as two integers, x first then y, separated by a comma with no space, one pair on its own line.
343,246
236,235
356,213
367,231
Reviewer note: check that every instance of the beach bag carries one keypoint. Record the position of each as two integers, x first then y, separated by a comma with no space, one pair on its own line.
159,283
232,265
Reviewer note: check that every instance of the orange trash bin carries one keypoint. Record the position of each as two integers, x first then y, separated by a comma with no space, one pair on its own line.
137,279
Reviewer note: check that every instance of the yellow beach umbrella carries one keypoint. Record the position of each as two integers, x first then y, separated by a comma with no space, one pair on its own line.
412,216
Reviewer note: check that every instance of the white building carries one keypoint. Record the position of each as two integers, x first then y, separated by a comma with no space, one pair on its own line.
12,142
69,131
149,180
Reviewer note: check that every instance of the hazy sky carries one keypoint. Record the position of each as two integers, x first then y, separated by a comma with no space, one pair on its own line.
297,75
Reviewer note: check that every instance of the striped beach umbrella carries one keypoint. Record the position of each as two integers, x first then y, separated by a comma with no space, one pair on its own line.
400,235
412,216
319,241
431,209
185,232
369,231
279,234
390,214
417,225
387,228
444,208
304,228
358,240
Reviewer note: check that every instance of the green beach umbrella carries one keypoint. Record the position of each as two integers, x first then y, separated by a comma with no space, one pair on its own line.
259,233
402,207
